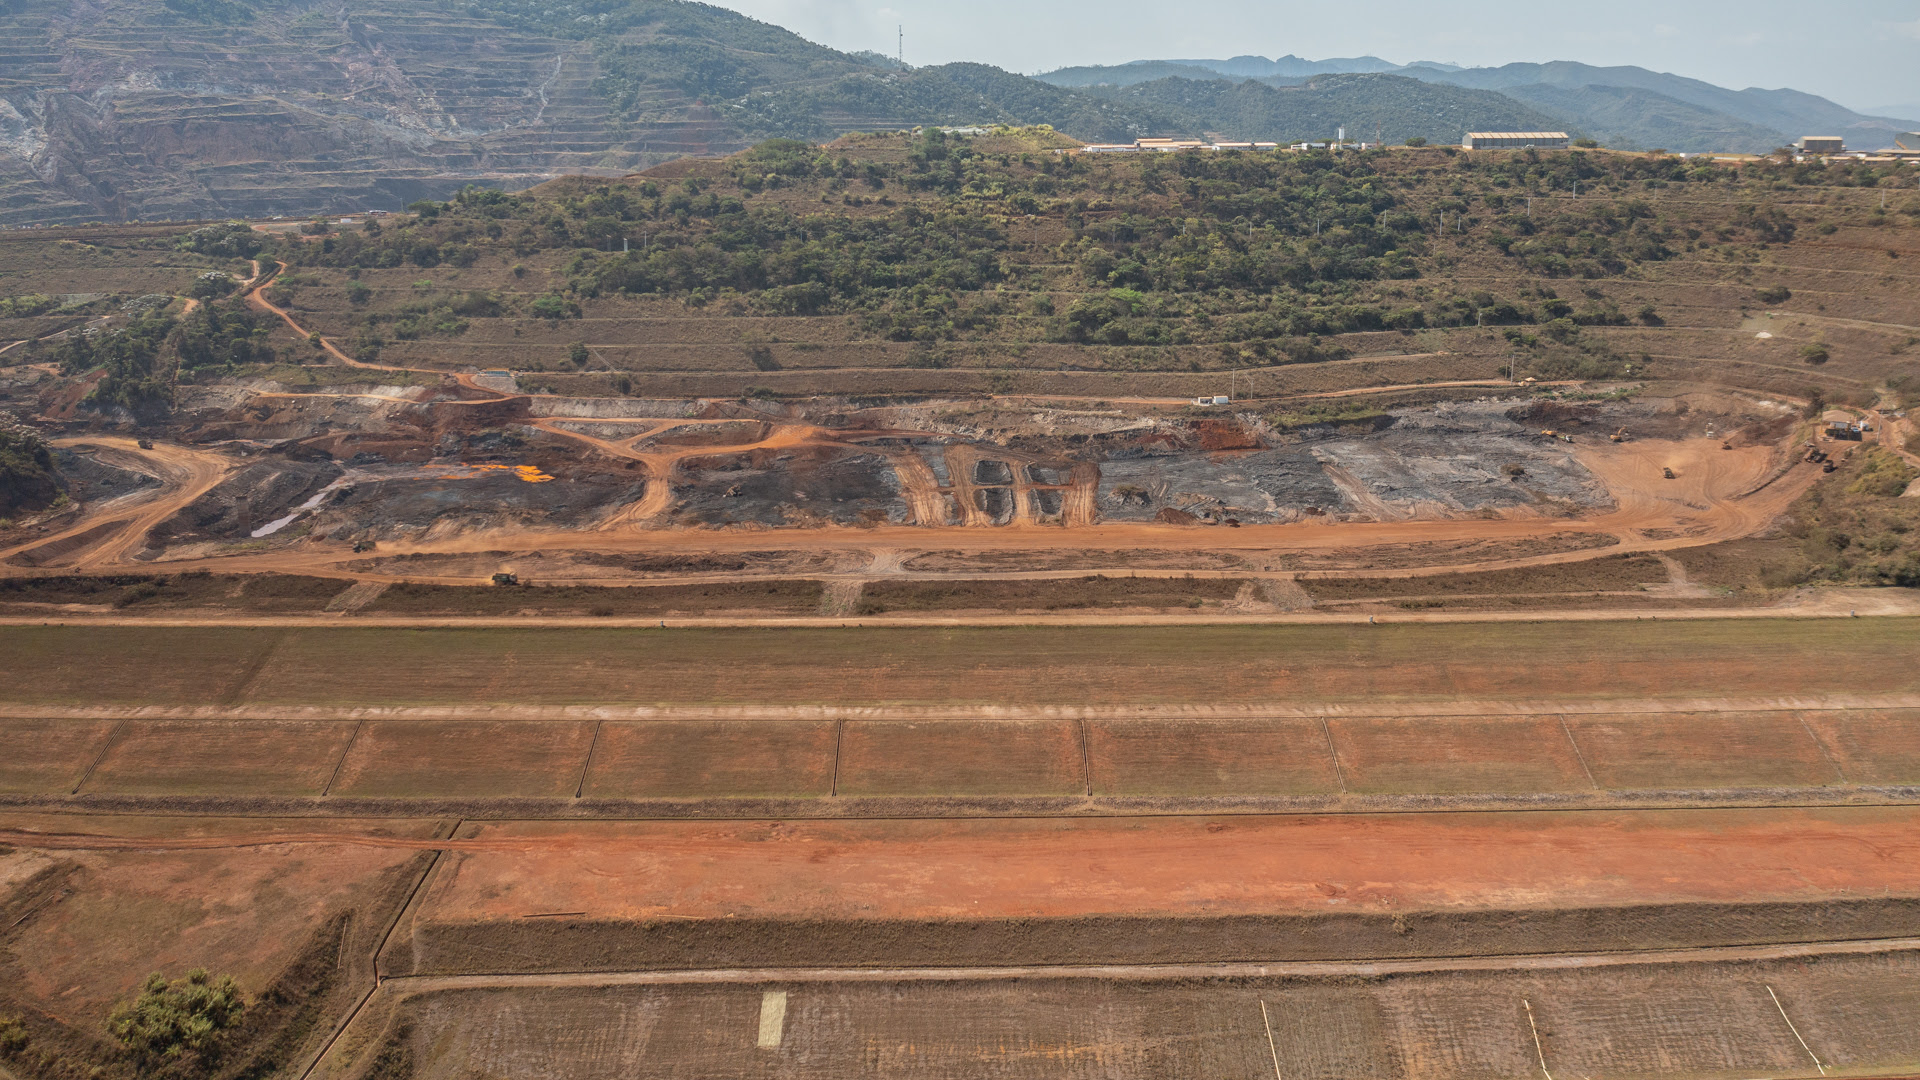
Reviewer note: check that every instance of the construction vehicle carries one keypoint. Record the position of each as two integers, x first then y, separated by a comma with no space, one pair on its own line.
1619,436
1668,473
145,444
1566,438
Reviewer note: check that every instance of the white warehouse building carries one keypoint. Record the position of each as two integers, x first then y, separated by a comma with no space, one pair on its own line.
1514,140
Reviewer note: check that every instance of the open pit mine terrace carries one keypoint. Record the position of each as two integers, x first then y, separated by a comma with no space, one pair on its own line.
1605,849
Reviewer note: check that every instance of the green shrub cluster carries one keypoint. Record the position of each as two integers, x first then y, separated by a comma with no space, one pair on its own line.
176,1020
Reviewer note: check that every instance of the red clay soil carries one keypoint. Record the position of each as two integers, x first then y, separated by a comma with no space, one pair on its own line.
145,901
1008,869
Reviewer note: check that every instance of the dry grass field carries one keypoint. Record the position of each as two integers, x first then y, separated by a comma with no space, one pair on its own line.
1454,754
461,757
1690,1020
692,759
1211,757
1591,754
188,757
1007,757
1073,665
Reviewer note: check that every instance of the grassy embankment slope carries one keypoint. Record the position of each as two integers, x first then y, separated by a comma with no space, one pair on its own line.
1052,666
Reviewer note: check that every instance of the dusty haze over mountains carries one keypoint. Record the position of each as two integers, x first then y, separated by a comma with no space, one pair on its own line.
1858,52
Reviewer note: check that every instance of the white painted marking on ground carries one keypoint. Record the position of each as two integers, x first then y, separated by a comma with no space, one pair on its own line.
1538,1051
773,1018
1271,1048
1796,1031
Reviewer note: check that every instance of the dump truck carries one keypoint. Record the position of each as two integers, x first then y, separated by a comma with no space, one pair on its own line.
1668,473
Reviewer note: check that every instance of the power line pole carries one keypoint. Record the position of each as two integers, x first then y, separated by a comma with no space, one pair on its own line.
901,57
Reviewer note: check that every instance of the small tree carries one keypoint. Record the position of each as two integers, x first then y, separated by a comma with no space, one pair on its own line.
172,1019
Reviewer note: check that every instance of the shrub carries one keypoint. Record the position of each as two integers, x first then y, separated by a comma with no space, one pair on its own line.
13,1036
1815,354
211,285
553,306
230,240
1775,294
136,593
172,1019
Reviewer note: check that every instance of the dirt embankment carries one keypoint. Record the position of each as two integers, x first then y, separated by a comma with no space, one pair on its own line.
583,944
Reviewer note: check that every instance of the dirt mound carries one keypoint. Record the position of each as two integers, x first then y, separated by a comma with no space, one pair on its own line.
1554,413
1173,515
1225,435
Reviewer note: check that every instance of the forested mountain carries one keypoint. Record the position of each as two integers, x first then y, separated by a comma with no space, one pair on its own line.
204,108
1624,107
1367,106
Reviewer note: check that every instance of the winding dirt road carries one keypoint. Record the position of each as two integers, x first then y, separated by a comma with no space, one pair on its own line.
1714,495
184,475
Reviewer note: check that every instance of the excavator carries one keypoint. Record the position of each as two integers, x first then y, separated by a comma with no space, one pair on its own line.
1619,436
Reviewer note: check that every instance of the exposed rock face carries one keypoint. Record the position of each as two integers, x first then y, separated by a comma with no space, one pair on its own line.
27,477
123,109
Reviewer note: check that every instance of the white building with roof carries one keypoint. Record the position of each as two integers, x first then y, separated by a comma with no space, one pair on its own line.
1515,140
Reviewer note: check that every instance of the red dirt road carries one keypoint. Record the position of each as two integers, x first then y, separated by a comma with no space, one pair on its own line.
882,870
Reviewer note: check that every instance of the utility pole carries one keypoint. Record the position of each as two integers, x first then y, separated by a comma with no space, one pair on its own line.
901,57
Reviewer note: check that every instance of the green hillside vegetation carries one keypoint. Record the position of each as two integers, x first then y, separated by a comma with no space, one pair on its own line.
952,94
1368,106
1628,118
696,49
899,264
141,362
927,239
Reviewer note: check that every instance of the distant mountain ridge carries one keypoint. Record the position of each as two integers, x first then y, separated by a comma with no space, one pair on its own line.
210,108
1627,107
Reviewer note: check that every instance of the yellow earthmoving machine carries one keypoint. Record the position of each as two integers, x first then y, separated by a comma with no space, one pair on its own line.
1619,436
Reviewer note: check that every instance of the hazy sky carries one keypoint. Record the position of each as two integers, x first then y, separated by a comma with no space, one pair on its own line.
1861,53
